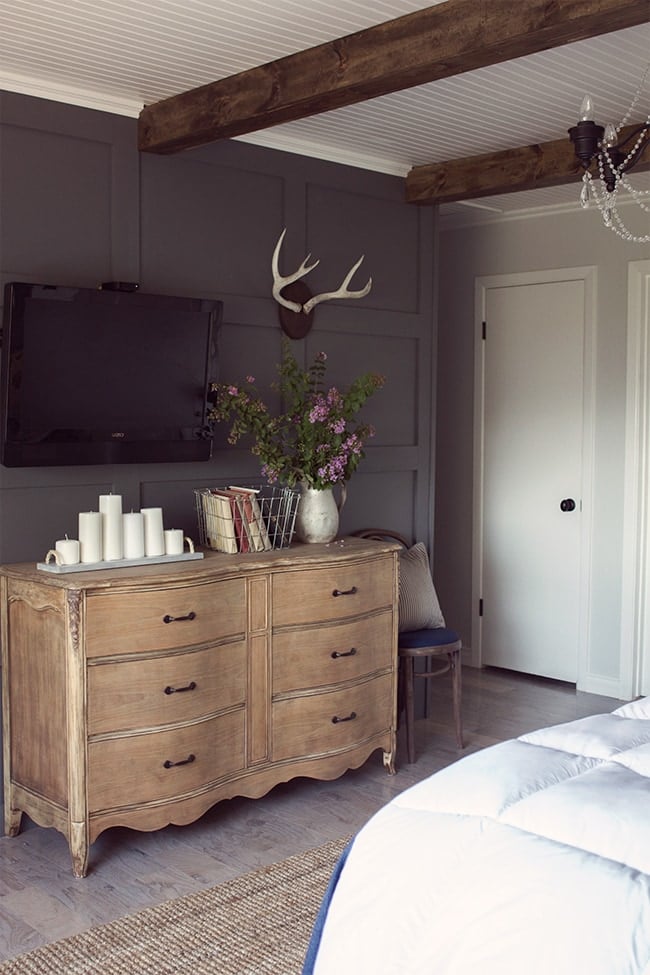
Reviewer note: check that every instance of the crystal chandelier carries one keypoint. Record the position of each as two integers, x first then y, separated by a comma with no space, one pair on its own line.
614,159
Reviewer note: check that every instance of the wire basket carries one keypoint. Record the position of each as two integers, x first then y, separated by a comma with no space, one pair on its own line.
246,519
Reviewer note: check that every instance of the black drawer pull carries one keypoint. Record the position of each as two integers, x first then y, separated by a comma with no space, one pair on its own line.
345,592
178,690
350,717
179,619
336,654
185,761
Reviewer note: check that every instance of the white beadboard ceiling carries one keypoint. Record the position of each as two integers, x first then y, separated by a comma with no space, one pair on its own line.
118,55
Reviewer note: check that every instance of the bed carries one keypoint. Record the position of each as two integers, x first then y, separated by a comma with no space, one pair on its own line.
531,856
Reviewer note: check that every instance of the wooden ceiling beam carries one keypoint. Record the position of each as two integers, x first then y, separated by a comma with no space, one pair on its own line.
444,40
510,171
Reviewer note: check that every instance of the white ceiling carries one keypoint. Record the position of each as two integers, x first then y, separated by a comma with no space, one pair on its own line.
118,55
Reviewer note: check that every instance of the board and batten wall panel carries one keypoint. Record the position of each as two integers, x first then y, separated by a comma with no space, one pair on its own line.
79,205
56,204
207,227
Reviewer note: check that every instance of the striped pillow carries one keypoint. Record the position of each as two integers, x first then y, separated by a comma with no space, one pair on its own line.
419,608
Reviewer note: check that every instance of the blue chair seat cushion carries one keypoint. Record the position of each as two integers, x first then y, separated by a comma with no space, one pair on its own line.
437,636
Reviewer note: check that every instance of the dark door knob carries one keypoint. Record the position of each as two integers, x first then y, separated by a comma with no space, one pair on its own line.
567,505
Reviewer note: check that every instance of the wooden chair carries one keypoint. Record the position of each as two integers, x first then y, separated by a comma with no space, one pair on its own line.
439,645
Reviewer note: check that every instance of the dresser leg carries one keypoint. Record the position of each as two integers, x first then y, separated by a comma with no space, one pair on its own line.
389,762
13,819
79,849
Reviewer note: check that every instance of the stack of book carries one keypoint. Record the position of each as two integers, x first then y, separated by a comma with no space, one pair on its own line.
246,519
232,520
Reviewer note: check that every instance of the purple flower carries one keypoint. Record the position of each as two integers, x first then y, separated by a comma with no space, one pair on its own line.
317,413
353,445
269,473
333,396
319,410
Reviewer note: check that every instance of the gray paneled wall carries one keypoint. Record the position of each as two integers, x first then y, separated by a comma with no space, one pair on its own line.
79,205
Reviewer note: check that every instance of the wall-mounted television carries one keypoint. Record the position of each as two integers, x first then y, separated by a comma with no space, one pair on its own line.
102,376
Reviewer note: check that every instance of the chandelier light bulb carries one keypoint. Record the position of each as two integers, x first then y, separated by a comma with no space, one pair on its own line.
610,137
587,109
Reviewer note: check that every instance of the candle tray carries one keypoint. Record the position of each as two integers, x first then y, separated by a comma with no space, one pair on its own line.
117,563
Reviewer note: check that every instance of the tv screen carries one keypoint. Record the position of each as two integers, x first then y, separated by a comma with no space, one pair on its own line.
95,376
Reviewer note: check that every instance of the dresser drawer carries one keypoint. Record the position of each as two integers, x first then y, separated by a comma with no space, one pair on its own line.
131,694
335,591
316,724
131,621
131,770
332,654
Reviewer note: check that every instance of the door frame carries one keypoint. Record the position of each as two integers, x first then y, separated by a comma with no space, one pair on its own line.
482,285
635,587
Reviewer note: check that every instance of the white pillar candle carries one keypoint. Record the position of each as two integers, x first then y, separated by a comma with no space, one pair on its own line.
68,549
90,536
110,506
154,540
133,526
174,541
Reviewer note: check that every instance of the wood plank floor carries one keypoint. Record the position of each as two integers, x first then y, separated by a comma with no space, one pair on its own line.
40,901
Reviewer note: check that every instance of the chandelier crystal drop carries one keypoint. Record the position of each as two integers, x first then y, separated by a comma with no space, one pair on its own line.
610,184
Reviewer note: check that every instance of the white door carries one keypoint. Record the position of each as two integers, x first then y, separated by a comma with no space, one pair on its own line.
532,476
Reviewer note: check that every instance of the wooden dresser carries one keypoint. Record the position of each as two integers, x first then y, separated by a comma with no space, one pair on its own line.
142,696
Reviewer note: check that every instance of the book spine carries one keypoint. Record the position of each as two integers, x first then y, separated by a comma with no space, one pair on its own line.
259,530
241,528
265,541
219,523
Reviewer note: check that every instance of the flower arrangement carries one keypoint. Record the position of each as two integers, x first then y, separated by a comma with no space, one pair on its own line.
316,439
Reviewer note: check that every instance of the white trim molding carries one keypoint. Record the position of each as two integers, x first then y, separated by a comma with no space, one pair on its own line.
56,91
635,575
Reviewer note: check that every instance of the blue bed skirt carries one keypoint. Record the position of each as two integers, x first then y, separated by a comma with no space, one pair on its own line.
314,941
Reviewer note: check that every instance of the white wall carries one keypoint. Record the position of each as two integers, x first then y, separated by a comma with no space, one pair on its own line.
554,240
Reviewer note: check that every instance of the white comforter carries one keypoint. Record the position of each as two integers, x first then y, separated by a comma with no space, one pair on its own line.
530,857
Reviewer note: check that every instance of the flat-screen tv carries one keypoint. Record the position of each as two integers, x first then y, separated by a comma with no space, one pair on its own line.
102,376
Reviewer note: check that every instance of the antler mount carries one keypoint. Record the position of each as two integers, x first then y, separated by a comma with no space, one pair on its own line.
295,298
295,324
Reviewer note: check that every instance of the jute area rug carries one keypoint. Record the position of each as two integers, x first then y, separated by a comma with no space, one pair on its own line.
258,924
